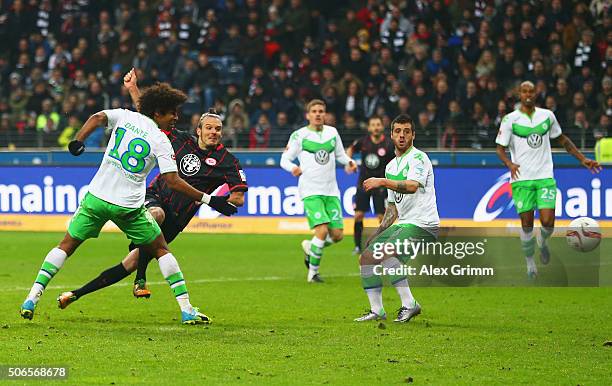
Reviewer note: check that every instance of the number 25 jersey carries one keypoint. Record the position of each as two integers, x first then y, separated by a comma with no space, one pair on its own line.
135,146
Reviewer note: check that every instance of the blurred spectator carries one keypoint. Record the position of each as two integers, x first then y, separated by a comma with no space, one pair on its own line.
47,124
236,124
436,59
581,132
68,132
281,130
602,129
450,139
259,135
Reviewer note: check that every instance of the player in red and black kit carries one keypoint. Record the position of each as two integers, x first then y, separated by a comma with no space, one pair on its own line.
376,152
204,163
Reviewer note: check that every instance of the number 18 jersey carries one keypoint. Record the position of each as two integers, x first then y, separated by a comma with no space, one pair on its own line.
135,146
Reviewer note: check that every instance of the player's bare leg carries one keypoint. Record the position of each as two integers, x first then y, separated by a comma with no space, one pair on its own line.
53,263
547,219
528,242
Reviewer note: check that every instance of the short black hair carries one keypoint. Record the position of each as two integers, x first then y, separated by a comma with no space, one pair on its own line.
160,98
403,118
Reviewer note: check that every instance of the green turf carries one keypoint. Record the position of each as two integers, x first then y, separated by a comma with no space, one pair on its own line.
271,326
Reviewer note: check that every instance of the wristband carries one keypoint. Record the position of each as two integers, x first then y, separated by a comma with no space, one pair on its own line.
205,198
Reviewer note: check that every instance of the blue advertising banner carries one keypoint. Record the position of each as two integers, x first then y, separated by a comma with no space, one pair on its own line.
480,194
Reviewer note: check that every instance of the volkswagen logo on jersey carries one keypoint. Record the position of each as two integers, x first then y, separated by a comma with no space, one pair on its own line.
190,164
496,200
322,157
534,140
398,197
372,161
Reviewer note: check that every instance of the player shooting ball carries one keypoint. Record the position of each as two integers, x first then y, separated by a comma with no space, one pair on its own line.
204,163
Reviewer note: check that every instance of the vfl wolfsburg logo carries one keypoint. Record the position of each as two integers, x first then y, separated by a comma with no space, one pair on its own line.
322,157
398,197
535,140
372,161
190,164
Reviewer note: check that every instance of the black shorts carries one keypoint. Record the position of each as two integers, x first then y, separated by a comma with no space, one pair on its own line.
362,200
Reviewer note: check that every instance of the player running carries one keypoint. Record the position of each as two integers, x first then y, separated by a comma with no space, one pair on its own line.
527,132
205,164
318,147
376,151
117,191
411,199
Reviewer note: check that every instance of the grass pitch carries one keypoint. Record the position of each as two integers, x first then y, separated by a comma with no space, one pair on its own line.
270,326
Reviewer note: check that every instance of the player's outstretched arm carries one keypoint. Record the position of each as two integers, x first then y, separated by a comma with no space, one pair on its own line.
514,168
130,83
569,146
403,186
76,146
388,219
220,204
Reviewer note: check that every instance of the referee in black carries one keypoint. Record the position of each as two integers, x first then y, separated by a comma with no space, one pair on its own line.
376,151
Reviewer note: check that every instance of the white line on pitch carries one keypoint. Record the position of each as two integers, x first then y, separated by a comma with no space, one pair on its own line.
195,281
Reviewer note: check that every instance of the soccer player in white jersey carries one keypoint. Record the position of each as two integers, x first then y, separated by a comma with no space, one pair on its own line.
117,191
527,132
318,147
409,181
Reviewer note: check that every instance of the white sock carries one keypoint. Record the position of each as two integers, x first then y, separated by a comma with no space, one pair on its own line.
401,285
375,298
51,265
172,273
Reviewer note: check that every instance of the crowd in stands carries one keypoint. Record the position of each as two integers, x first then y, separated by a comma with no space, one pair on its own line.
453,65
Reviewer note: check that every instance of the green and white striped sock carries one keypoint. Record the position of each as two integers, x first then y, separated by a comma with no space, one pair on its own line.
172,273
53,263
316,253
527,243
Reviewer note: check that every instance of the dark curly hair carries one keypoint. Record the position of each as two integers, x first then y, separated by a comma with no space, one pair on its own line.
160,98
